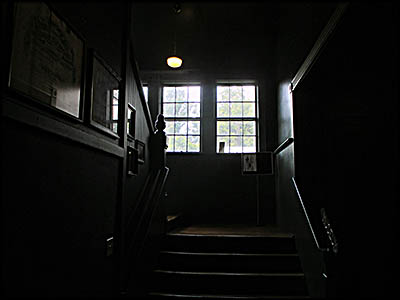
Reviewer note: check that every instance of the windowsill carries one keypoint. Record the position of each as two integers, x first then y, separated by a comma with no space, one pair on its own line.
202,153
184,153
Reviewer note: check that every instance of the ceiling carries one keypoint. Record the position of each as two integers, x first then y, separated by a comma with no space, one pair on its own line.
229,36
207,34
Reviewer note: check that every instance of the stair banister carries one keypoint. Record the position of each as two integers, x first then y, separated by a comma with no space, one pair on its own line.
308,219
284,145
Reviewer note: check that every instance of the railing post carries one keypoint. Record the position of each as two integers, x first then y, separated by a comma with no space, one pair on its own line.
158,144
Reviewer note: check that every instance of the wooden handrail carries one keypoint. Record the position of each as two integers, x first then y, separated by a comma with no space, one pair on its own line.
284,145
135,70
321,41
308,219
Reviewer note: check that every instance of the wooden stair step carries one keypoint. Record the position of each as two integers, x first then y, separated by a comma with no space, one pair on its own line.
230,262
230,297
224,282
228,243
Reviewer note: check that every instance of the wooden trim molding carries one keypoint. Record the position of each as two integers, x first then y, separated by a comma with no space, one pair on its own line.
30,117
321,41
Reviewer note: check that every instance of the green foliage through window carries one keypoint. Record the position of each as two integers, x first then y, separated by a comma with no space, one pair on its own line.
236,119
181,108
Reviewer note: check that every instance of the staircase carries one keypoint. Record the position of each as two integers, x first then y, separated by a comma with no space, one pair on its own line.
220,265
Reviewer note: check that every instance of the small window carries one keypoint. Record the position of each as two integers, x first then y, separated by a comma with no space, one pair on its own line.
114,110
236,119
181,109
146,92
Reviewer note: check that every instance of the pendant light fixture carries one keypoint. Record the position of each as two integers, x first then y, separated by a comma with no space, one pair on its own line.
175,61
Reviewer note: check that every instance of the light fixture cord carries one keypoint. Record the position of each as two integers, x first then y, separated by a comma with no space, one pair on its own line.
175,39
177,10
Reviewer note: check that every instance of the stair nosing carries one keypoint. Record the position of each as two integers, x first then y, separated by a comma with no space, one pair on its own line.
289,274
229,296
228,254
289,236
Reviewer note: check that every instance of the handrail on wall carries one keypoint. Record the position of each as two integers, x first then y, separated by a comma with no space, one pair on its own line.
284,145
308,219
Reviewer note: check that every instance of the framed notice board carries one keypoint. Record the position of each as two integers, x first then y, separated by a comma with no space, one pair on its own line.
47,59
260,163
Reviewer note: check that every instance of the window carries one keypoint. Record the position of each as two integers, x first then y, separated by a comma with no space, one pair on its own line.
181,109
146,92
236,119
114,110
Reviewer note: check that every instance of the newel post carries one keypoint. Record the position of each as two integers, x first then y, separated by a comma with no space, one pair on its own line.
159,144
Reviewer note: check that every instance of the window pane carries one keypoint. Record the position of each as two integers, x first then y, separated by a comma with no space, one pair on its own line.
236,128
222,93
223,128
181,110
170,143
169,94
223,144
236,93
180,143
181,127
236,109
249,110
115,127
193,143
181,94
146,93
116,94
115,112
223,110
235,145
249,144
169,110
170,127
249,93
194,110
194,127
194,94
249,127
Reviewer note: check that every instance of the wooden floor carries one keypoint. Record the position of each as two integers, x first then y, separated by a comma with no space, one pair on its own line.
232,229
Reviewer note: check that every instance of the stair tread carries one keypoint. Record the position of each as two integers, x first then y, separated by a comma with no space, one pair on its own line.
229,296
229,254
291,274
233,230
230,235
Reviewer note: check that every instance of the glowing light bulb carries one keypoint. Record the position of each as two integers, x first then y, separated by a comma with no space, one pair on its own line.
174,62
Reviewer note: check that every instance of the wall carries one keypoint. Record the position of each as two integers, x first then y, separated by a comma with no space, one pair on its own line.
338,119
299,28
58,212
217,42
228,196
64,190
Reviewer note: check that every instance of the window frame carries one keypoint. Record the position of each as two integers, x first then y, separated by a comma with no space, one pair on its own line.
255,118
187,118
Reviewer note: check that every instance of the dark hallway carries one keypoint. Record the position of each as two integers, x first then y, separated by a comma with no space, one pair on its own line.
264,167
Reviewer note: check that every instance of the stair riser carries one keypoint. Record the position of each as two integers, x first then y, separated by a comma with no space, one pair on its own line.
229,244
229,263
242,285
197,297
